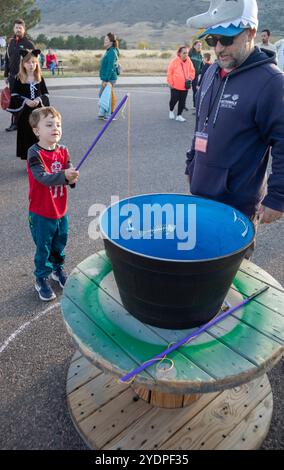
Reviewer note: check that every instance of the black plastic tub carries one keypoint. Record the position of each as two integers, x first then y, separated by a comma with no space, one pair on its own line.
174,256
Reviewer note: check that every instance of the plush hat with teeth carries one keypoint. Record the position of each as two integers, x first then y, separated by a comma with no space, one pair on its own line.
225,14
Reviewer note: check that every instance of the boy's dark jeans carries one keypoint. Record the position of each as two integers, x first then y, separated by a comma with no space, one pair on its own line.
50,237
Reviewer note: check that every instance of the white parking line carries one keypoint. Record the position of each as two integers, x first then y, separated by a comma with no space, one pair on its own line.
76,97
120,89
25,325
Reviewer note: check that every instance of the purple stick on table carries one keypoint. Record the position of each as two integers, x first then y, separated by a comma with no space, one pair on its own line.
119,106
197,332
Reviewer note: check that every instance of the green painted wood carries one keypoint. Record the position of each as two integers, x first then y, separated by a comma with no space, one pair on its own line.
93,342
102,254
96,267
210,357
240,346
205,352
258,273
262,319
84,293
272,299
246,341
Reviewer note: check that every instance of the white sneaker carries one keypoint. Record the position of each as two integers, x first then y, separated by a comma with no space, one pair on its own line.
172,115
180,118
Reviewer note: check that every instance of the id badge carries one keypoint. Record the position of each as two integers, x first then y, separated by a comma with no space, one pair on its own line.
201,142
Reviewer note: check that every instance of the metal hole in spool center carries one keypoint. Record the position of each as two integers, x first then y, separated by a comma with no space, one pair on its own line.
161,282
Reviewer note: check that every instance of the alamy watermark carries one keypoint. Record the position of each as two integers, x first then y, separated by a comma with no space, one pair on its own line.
147,221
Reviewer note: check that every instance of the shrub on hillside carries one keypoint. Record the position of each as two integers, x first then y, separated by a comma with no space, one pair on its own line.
74,60
90,65
146,56
165,55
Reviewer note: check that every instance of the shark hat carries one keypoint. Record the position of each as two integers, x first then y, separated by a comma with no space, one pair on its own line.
230,30
226,17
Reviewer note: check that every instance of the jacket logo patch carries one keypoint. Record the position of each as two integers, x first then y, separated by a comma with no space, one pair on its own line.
229,101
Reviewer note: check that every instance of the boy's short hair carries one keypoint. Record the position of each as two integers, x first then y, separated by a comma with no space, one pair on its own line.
207,55
42,113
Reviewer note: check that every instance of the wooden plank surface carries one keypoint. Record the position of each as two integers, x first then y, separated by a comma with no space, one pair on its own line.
227,411
273,298
236,350
253,270
95,344
93,395
249,432
80,373
108,415
141,347
116,416
204,351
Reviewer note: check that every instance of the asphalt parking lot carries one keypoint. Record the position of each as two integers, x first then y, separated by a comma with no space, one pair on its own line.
35,348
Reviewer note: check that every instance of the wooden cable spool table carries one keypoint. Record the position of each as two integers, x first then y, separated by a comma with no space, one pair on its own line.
214,395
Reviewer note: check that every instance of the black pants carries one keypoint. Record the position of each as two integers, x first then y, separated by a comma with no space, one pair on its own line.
194,89
178,96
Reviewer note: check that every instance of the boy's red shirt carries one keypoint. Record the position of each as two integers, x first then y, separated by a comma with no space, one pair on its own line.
48,201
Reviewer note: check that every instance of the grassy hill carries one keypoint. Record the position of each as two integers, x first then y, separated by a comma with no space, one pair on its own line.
159,21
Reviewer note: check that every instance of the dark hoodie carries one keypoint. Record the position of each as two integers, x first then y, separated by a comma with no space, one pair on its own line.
12,58
246,119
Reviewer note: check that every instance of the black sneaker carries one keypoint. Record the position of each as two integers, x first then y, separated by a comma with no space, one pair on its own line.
59,276
44,290
185,108
13,127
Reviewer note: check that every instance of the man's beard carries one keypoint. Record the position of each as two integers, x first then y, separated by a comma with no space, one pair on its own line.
234,61
232,64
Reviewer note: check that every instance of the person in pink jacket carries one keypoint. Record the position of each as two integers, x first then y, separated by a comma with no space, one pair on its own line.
181,72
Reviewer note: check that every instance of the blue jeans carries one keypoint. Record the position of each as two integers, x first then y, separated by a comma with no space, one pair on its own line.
50,237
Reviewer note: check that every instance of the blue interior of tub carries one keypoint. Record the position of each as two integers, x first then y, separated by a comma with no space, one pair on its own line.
176,227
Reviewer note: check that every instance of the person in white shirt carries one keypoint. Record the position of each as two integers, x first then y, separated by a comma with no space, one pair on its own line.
280,54
265,44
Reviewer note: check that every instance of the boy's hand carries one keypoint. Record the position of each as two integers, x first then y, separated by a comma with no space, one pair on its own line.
71,175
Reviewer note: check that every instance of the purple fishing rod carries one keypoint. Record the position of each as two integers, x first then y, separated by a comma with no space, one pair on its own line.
119,106
212,322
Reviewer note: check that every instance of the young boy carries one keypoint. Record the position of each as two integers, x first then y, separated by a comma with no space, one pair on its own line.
49,171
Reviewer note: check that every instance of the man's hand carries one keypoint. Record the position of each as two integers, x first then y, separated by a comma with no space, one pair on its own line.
267,215
71,175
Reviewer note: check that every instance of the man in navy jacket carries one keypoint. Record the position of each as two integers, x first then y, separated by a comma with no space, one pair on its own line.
239,121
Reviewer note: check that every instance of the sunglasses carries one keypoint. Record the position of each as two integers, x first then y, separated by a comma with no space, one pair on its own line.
223,40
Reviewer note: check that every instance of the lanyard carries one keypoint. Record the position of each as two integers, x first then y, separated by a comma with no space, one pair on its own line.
211,103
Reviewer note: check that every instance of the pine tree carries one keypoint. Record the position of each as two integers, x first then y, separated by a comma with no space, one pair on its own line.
10,10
